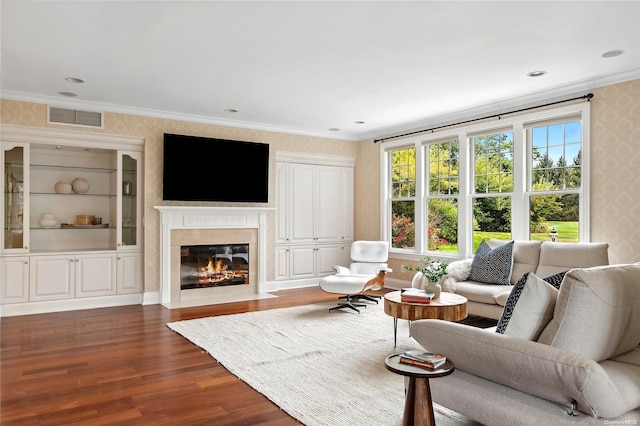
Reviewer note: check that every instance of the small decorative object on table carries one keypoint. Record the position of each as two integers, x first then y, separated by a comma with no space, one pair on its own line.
427,360
415,295
430,274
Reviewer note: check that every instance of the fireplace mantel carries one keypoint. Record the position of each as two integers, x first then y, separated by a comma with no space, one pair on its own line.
191,218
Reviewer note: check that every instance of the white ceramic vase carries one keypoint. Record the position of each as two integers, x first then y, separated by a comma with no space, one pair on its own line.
47,220
432,287
80,185
62,188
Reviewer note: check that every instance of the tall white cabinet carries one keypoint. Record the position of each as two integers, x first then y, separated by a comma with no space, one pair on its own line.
314,215
51,260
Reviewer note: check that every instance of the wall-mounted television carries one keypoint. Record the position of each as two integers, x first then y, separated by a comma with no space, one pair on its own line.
207,169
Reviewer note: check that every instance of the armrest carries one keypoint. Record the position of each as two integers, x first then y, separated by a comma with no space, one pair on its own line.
341,270
545,371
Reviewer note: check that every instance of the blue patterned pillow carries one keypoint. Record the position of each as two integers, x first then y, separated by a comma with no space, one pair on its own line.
492,266
529,308
556,279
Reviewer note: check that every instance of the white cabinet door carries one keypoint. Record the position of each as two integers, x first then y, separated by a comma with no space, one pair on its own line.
328,204
95,274
302,208
15,280
347,191
282,203
129,273
302,262
51,277
327,256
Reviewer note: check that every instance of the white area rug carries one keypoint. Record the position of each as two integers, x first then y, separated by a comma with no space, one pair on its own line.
323,368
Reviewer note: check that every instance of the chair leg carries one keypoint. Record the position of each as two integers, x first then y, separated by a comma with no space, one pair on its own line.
363,296
348,304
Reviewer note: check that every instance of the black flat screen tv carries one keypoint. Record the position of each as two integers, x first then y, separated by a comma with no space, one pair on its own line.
207,169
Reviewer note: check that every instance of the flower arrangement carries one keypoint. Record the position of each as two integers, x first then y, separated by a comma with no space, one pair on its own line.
432,270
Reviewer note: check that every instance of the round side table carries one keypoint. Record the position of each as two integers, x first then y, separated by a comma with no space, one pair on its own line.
418,408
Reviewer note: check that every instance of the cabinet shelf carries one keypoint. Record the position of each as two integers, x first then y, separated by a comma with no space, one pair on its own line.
73,168
72,194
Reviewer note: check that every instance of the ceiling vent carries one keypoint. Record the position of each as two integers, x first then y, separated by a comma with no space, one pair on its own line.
75,117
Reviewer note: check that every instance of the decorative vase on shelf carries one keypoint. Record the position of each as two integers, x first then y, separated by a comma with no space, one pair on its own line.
80,185
47,220
62,188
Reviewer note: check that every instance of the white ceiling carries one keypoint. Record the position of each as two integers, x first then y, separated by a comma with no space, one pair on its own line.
305,67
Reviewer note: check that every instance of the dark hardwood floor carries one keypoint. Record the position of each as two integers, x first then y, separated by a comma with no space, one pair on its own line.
123,365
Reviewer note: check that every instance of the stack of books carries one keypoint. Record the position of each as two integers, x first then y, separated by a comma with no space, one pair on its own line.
414,295
427,360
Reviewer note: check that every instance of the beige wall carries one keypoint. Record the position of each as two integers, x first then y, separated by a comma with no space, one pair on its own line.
615,159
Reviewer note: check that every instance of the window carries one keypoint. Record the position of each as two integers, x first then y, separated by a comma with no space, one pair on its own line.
555,181
447,190
493,186
403,192
443,187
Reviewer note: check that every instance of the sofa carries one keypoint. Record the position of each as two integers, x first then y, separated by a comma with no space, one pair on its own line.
544,258
582,368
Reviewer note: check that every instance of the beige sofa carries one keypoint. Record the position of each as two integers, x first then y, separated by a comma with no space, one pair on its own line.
586,360
542,258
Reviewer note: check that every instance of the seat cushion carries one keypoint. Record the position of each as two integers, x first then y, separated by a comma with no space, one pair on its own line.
481,292
597,312
492,266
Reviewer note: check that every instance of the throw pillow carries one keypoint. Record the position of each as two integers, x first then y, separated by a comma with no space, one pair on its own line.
529,308
556,279
492,266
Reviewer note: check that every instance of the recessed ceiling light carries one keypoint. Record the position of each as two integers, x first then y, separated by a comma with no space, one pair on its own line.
536,73
612,53
334,129
74,80
358,122
68,94
231,110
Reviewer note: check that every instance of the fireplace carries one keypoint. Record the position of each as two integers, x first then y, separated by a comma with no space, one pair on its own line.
229,231
213,265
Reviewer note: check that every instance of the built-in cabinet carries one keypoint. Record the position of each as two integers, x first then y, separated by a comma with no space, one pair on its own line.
314,215
71,219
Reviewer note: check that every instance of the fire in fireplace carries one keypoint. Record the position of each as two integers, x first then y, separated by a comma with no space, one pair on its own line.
217,265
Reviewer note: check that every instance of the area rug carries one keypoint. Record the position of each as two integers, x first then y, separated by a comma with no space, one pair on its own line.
323,368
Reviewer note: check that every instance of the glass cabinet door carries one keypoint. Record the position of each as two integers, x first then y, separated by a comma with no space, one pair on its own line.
130,166
15,196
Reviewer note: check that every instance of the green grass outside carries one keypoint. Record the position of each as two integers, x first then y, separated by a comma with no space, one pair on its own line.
567,233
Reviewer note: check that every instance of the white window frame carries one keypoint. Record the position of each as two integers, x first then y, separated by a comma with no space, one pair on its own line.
521,169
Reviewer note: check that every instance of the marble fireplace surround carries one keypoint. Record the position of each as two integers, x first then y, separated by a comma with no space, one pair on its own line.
186,225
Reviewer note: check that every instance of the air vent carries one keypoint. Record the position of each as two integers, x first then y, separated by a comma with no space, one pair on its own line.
75,117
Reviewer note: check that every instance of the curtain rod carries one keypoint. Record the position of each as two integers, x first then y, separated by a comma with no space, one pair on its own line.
588,97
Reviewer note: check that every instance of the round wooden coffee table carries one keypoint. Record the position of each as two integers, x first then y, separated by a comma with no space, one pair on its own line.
448,307
418,408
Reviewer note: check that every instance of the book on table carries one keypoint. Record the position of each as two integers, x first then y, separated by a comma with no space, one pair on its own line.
422,359
414,295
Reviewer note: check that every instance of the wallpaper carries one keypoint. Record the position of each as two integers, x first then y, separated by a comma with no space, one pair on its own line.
615,156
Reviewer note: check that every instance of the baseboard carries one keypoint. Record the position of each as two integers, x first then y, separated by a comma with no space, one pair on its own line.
70,304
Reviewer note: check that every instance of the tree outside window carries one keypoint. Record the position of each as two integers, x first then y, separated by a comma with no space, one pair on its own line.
493,175
442,196
403,193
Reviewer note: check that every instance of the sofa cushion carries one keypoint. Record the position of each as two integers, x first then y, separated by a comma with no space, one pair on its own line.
481,292
597,312
526,255
558,257
492,266
529,308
